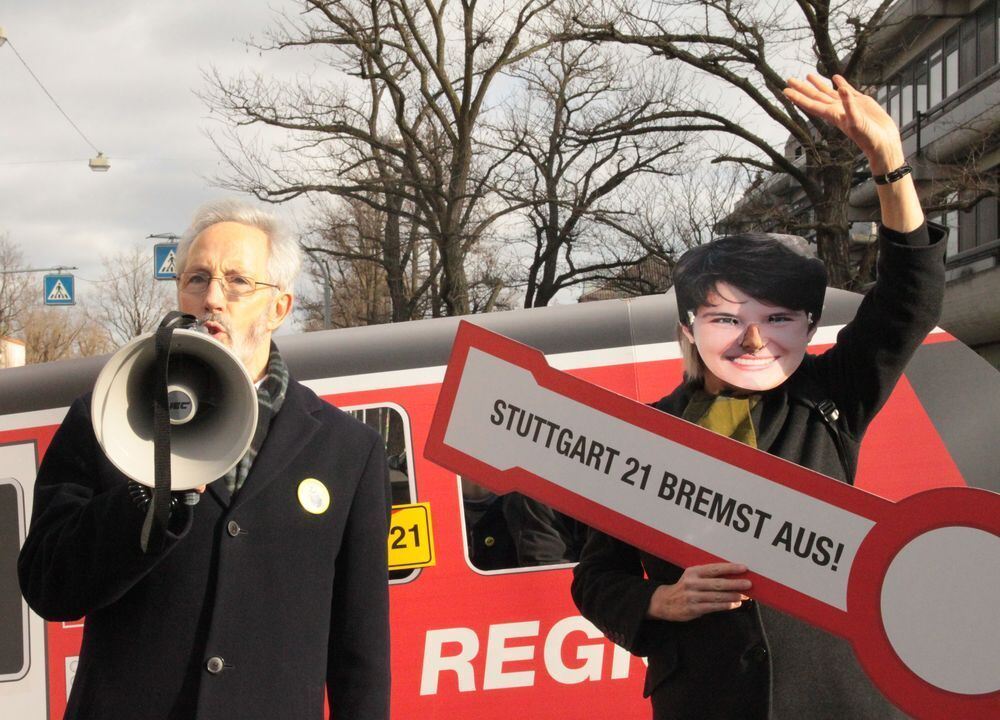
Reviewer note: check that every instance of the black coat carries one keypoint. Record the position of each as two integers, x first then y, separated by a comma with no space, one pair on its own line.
290,601
755,662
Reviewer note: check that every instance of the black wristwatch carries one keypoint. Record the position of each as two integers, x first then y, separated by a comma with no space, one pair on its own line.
891,177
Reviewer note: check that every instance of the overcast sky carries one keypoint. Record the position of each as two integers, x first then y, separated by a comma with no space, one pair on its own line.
126,72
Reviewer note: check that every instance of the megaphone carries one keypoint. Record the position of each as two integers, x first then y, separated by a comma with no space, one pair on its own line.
212,401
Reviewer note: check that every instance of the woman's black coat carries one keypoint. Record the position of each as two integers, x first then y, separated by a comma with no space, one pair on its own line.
755,662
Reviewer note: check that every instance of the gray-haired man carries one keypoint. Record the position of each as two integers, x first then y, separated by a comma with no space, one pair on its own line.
274,585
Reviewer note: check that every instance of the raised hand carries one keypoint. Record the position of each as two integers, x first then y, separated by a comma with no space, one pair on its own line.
855,114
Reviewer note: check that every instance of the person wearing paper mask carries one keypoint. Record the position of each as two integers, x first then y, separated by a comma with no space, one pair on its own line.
748,306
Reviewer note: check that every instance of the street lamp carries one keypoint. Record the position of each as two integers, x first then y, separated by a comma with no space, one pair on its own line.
99,163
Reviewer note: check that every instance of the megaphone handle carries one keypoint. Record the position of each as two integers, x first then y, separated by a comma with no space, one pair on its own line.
154,528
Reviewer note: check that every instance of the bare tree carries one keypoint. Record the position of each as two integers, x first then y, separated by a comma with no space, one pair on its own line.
693,209
346,258
491,283
964,184
56,333
92,339
130,302
744,45
673,214
574,177
398,133
352,245
14,287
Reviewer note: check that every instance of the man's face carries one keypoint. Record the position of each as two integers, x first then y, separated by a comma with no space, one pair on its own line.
244,324
746,344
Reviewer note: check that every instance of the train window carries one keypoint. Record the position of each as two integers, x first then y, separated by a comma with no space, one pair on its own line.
391,422
504,532
13,610
489,543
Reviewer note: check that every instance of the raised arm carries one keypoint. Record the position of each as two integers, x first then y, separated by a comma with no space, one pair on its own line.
861,370
864,121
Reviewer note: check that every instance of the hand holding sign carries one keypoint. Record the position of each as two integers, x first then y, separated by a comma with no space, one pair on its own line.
910,584
702,589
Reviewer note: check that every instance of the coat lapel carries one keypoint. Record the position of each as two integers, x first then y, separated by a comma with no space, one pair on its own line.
291,431
220,492
773,413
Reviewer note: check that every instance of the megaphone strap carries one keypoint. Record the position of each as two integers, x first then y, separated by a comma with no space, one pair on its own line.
177,319
154,528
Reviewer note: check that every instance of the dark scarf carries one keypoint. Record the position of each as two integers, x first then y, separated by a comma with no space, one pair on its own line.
270,396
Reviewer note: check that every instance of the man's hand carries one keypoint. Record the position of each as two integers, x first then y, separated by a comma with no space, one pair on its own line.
702,589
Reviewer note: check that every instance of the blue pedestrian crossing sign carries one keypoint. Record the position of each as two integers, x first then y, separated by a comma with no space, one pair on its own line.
163,261
59,290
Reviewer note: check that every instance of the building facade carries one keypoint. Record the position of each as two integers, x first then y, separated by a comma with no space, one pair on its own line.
936,72
939,78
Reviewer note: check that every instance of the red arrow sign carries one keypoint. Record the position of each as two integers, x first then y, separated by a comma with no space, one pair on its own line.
912,584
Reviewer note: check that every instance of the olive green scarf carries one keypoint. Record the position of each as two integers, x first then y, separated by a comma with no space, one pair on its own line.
725,415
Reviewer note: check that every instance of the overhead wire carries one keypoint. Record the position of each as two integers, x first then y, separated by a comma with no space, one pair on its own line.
40,162
54,102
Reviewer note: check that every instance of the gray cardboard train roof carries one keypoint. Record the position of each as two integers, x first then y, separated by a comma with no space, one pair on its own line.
421,343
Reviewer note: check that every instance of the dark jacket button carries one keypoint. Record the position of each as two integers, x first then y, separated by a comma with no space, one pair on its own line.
215,664
233,528
758,653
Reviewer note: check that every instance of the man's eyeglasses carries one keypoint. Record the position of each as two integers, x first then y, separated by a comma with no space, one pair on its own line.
233,285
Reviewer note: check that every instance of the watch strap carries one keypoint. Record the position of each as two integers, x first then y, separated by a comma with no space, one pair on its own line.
891,177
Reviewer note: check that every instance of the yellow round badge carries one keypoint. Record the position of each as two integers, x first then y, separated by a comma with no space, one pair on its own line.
313,496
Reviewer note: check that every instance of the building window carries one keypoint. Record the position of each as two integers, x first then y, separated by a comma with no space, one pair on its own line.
950,220
920,85
967,52
907,96
986,221
977,226
936,64
987,38
966,229
894,100
950,64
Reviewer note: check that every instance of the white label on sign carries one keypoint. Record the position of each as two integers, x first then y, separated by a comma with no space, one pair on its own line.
783,534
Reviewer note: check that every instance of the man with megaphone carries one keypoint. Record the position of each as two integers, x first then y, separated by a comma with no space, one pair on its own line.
268,585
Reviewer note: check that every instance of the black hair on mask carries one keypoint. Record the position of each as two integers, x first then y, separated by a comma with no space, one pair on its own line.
765,266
